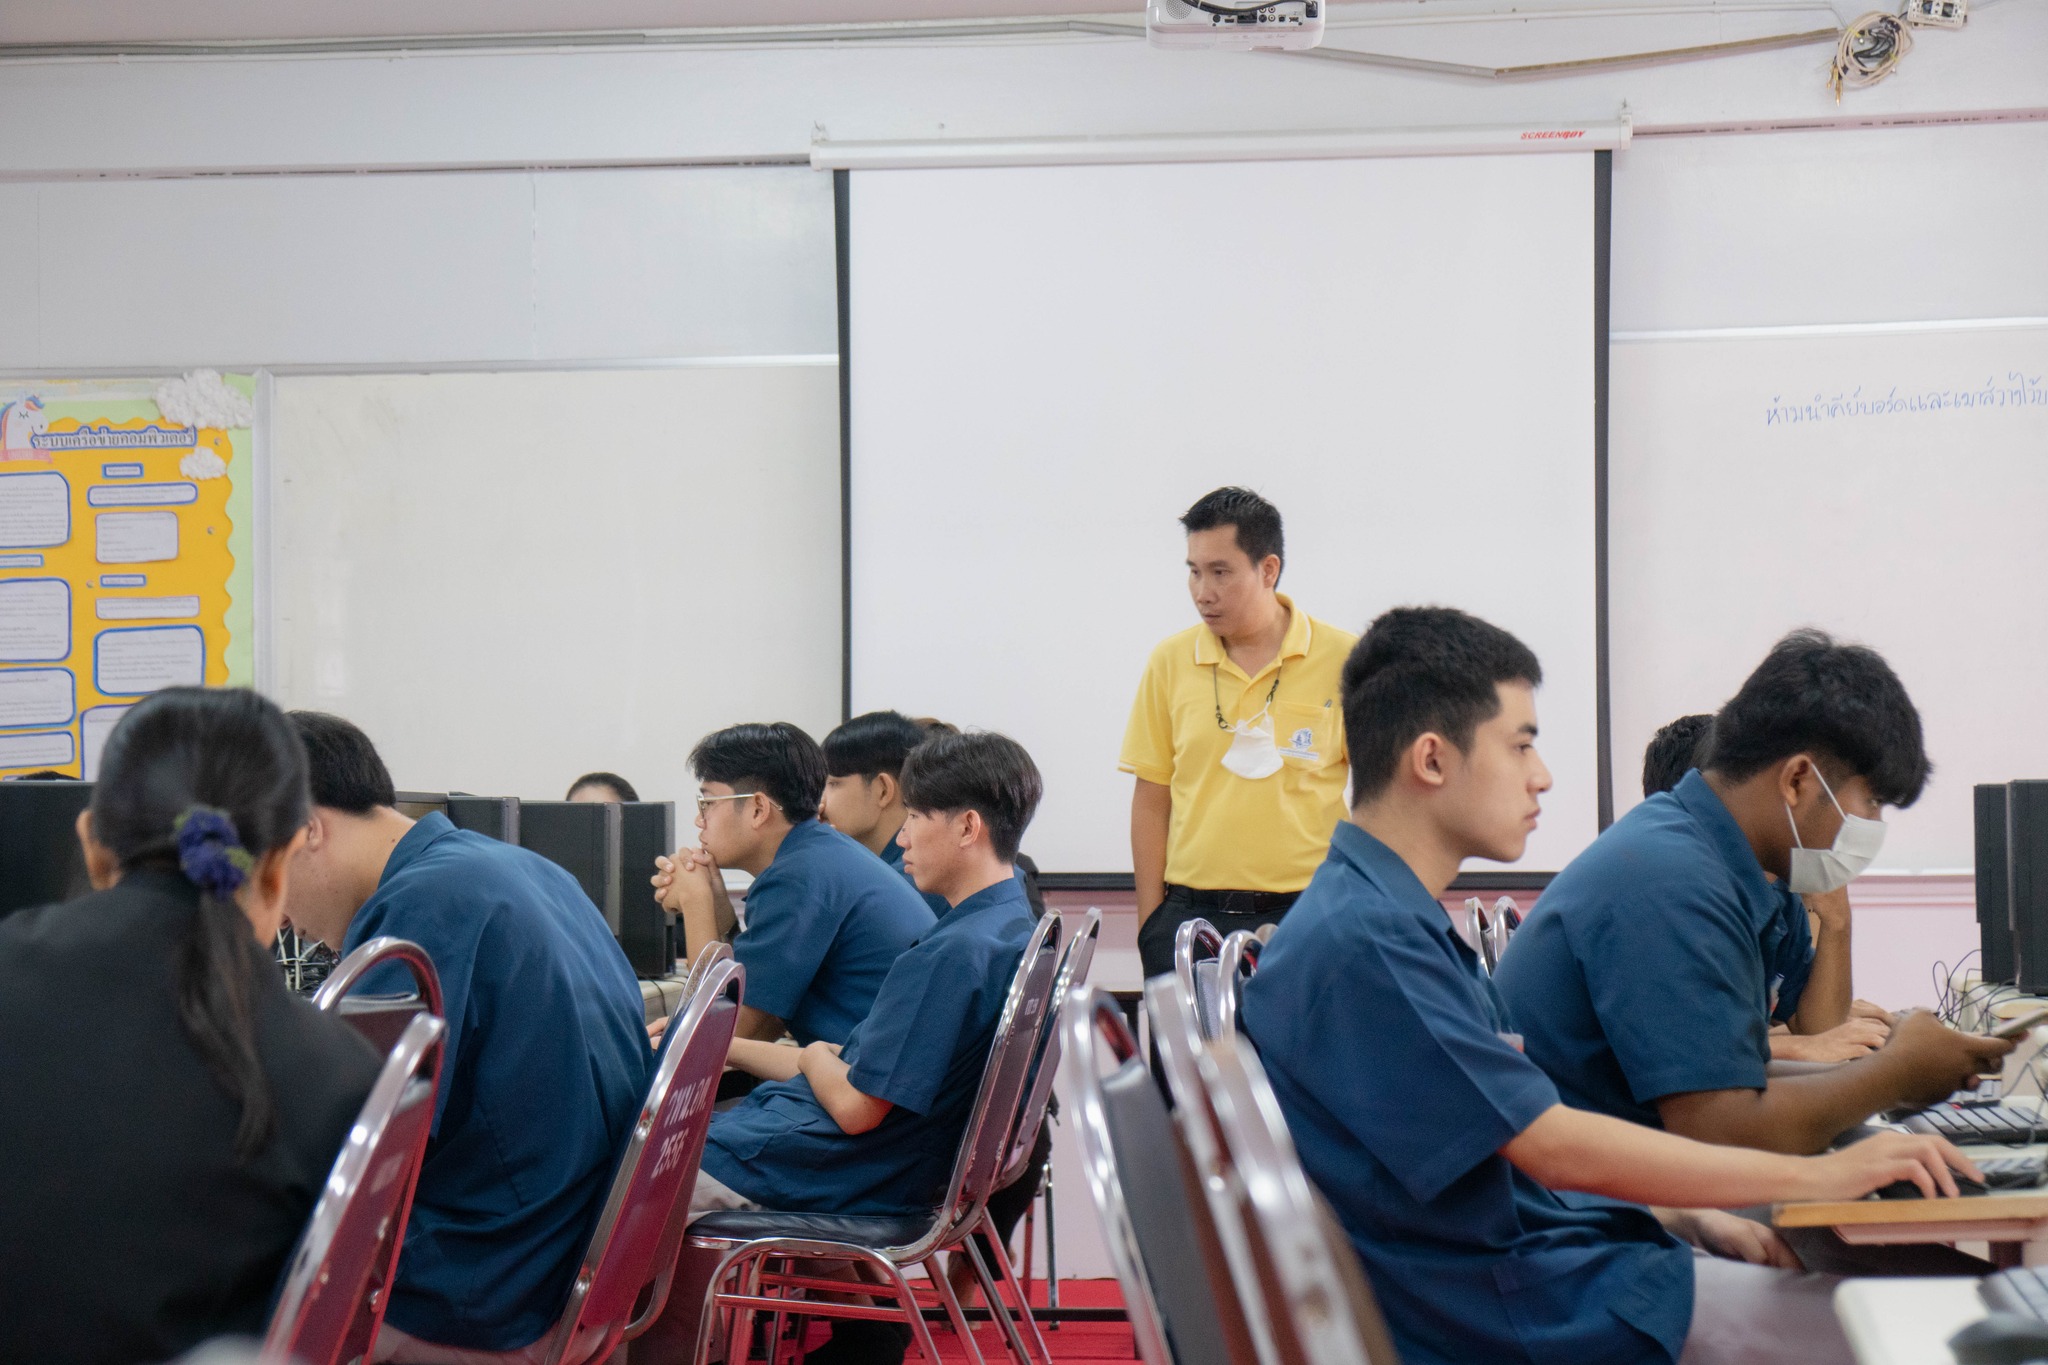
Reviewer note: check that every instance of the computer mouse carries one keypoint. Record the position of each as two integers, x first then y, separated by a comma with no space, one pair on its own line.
2001,1339
1906,1189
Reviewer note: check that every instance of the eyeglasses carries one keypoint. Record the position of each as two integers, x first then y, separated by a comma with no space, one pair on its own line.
704,802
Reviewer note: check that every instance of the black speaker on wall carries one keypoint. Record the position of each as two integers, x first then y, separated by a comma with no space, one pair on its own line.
1994,888
2026,861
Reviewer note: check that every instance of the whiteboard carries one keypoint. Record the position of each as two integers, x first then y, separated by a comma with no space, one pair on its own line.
511,579
1888,486
1049,364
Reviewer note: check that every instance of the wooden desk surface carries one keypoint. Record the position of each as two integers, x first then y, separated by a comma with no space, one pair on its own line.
1999,1206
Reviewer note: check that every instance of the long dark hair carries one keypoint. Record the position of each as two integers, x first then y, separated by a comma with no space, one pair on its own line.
227,760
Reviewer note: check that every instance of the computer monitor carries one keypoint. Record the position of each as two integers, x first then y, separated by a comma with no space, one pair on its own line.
2026,862
40,860
497,816
413,805
582,837
646,931
1994,891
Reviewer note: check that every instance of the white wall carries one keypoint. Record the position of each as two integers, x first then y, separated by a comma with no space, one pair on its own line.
376,270
740,101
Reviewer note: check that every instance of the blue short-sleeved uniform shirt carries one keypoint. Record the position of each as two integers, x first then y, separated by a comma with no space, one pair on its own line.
1382,1040
825,921
546,1065
1789,963
892,854
923,1048
1644,969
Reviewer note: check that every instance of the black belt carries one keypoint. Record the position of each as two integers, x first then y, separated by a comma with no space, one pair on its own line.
1234,902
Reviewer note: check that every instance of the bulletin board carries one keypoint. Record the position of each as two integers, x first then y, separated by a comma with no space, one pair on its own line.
127,559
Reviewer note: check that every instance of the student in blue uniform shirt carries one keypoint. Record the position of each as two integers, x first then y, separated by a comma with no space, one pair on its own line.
1489,1215
864,790
864,781
874,1128
546,1061
825,921
1826,1024
1642,980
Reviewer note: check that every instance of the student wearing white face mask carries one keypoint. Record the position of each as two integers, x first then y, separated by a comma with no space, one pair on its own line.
1236,738
1641,981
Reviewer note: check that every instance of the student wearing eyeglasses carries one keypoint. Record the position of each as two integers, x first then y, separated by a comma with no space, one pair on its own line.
1236,738
824,920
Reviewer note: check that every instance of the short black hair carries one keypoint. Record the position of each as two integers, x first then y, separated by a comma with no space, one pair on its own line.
1674,751
342,766
1420,670
1843,703
873,744
1257,521
621,788
777,759
983,772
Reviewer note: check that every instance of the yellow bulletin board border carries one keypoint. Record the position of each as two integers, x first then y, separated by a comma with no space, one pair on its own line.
129,549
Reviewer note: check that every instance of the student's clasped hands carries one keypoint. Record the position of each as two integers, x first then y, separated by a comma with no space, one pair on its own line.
685,882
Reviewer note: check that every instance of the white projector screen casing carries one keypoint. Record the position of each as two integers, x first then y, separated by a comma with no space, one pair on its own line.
1049,364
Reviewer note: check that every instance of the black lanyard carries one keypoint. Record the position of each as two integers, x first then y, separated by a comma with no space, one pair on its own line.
1216,689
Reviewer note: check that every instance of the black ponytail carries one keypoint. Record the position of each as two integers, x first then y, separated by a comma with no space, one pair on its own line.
204,781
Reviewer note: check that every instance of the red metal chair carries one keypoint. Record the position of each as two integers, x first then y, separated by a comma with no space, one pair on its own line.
335,1288
641,1229
381,1018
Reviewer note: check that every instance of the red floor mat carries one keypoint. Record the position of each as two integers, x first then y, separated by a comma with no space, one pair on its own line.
1072,1343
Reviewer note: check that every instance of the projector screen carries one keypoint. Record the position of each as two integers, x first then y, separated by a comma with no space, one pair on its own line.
1049,364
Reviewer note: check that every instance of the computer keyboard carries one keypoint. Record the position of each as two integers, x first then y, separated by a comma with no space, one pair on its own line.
2023,1290
2001,1123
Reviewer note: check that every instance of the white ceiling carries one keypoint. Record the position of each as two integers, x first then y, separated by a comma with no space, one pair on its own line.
138,21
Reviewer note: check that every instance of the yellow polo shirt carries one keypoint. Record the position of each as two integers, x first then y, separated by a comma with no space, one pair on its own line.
1230,833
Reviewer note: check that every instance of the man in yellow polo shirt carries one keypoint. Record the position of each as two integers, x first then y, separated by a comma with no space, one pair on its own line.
1236,738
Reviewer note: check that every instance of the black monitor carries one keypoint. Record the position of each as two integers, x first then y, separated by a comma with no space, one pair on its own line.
2026,863
40,860
1994,890
413,805
497,816
582,837
646,931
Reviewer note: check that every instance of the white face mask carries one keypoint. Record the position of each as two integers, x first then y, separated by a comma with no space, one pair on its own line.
1817,871
1252,752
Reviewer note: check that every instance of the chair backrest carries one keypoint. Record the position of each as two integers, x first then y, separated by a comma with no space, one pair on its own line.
716,951
381,1018
336,1286
985,1143
1074,964
1195,947
1161,1239
1234,966
1506,918
1178,1045
641,1228
1479,932
1318,1302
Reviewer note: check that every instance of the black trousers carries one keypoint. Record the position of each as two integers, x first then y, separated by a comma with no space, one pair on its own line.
1155,935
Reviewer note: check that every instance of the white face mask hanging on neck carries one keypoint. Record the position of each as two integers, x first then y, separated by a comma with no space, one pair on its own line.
1252,752
1817,871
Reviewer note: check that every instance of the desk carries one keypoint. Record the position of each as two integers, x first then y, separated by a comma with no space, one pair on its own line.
1905,1322
2014,1222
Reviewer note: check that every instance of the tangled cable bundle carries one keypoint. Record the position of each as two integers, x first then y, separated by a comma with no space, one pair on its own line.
1870,49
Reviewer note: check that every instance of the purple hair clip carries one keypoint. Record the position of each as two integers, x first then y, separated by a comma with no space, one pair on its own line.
210,851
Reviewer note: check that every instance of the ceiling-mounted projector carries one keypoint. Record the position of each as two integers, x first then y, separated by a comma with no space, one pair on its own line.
1234,23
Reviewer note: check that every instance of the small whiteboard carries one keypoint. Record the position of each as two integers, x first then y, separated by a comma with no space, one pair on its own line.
1890,487
510,579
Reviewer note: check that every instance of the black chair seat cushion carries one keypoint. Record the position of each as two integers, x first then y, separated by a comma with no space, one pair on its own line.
872,1232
